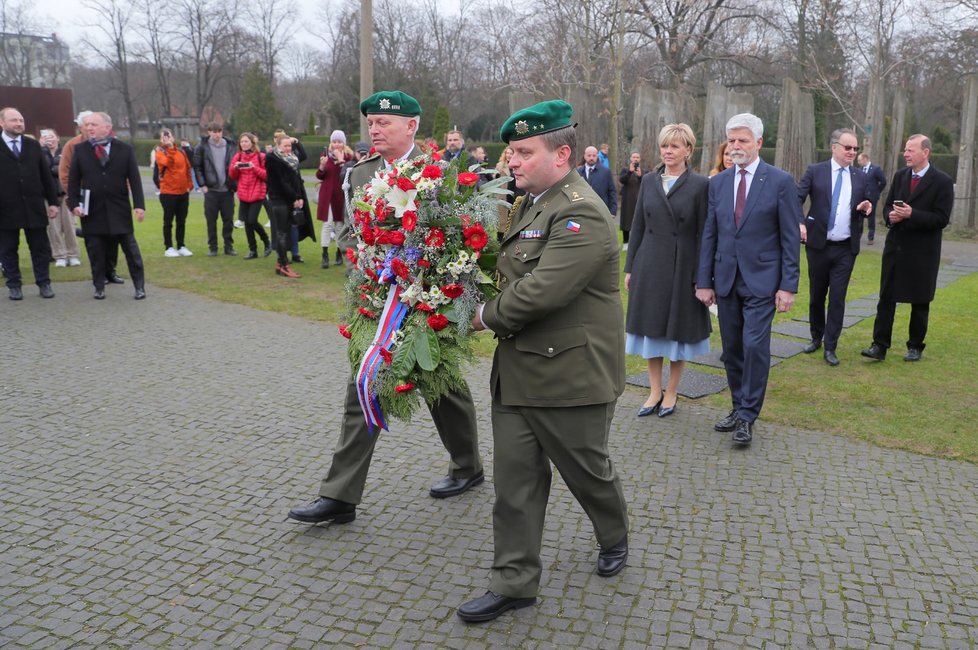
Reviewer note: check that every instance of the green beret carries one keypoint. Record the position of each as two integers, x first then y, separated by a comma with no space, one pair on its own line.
390,102
534,120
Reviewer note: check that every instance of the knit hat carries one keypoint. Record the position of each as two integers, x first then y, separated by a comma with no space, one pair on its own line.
337,135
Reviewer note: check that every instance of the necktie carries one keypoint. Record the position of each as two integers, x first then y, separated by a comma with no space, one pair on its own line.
100,153
588,172
836,193
741,197
16,148
914,180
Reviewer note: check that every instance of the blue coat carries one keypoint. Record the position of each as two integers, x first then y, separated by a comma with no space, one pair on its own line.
765,248
817,184
603,185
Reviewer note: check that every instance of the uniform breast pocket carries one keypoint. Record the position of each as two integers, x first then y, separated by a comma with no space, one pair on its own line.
529,251
555,366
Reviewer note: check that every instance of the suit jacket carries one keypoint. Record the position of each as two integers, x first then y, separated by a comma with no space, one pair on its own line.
558,319
817,184
110,212
27,188
603,185
765,248
877,179
912,253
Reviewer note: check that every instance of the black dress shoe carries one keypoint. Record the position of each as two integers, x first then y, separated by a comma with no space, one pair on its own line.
252,255
46,290
649,410
450,487
230,251
728,423
744,432
99,294
913,354
666,411
297,259
490,606
16,293
212,252
325,509
267,251
812,346
114,279
612,560
140,293
830,358
875,351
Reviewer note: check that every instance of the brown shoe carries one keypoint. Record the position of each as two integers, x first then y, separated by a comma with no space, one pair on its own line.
289,273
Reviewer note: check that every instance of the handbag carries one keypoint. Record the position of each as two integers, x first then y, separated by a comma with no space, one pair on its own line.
298,217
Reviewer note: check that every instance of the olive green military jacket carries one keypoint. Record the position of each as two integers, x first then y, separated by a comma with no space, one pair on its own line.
558,318
364,170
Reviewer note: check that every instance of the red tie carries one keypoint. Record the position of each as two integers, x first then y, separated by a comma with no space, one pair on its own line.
741,197
914,181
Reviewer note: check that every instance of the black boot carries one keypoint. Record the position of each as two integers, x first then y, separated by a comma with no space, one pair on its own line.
325,258
339,256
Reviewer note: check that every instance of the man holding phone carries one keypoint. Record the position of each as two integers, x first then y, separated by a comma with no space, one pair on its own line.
917,210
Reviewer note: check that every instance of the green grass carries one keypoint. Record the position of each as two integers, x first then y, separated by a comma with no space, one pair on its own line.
926,407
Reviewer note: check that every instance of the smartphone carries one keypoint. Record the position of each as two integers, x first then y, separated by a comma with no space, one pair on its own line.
899,204
244,165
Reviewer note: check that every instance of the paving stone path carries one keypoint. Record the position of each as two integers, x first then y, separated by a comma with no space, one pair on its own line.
150,451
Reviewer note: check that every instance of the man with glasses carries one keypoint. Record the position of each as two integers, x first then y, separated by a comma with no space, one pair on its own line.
840,195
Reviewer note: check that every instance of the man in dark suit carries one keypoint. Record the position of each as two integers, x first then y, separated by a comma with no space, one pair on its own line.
840,195
877,179
392,119
917,210
748,266
27,185
599,178
106,170
558,314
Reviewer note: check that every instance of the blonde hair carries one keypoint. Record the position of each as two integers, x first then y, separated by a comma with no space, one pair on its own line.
252,137
281,135
681,132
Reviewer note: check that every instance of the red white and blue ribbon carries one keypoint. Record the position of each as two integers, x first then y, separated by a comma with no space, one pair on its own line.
390,321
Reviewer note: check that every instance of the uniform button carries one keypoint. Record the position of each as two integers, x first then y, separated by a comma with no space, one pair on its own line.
550,350
526,275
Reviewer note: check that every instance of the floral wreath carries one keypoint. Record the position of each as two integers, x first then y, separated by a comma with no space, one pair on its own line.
425,248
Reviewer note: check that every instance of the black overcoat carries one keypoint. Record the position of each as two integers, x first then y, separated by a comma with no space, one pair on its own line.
912,253
663,254
630,184
109,211
26,188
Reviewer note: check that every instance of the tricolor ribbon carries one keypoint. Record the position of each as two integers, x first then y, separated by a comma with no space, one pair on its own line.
390,321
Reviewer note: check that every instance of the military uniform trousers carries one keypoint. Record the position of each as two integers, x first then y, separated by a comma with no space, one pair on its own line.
454,418
526,440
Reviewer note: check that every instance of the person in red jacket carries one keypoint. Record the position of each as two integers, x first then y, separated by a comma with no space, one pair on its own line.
175,186
333,165
248,169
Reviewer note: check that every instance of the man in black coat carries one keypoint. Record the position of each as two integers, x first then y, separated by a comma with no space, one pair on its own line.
599,178
27,185
212,157
106,170
877,179
917,210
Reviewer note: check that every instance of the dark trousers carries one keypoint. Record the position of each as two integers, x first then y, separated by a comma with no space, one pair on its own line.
175,206
829,270
883,326
98,245
110,256
40,247
280,214
745,330
248,212
219,203
871,224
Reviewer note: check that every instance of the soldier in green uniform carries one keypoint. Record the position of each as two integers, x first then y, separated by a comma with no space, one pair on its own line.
559,363
392,119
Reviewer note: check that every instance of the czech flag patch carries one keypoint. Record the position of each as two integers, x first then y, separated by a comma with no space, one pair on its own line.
573,226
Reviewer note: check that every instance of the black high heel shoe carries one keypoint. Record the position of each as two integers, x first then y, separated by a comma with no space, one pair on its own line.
649,410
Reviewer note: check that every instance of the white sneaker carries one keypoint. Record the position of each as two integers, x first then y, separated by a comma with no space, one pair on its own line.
238,223
184,252
74,261
171,252
61,263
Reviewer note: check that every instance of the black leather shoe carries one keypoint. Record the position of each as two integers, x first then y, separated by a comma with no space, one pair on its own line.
46,290
612,560
812,346
830,358
99,294
325,509
212,252
649,410
115,279
744,432
666,411
875,351
913,354
230,251
16,293
728,423
490,606
297,259
140,293
450,487
268,250
252,255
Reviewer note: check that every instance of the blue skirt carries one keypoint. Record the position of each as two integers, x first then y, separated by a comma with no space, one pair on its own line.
651,348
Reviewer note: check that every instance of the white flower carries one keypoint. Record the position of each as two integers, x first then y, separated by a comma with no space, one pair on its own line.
401,201
378,187
411,295
427,184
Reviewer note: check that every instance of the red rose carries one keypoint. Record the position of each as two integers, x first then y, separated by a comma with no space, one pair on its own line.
386,354
435,238
424,307
436,156
409,220
434,146
400,269
393,237
366,312
468,178
351,255
453,291
475,237
405,184
437,322
423,262
431,171
368,236
403,388
345,332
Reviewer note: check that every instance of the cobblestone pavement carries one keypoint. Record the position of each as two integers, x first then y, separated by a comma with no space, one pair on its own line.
150,451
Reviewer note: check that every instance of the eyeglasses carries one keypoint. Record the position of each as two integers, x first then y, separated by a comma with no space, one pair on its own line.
848,147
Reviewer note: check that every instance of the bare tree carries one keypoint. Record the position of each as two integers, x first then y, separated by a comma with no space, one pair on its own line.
274,20
160,47
113,23
208,31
